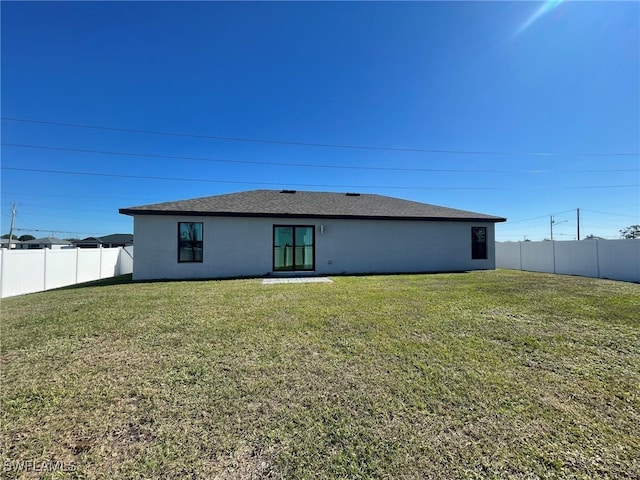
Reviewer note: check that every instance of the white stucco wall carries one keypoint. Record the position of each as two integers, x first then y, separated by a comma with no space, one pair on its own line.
244,246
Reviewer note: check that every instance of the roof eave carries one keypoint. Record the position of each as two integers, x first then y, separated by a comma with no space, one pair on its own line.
198,213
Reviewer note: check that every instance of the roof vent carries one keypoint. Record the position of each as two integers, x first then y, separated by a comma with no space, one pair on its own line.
350,194
287,191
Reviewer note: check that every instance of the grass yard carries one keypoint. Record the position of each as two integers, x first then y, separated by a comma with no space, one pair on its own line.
497,374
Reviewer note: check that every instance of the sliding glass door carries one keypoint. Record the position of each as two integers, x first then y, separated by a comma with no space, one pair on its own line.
293,248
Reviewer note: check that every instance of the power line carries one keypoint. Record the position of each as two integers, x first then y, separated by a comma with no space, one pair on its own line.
203,180
50,230
608,227
505,226
311,144
541,216
308,165
608,213
28,194
22,222
59,208
526,219
80,217
242,182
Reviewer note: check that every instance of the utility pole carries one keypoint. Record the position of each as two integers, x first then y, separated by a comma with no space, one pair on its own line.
578,218
13,216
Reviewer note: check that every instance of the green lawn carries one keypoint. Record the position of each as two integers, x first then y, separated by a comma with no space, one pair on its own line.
496,374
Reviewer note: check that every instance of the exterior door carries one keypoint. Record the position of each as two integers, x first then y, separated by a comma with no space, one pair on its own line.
293,248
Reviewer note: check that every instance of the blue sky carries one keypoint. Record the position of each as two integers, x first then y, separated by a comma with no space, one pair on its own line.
521,110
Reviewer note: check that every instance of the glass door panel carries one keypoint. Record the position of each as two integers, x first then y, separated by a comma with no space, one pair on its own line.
293,248
283,248
304,248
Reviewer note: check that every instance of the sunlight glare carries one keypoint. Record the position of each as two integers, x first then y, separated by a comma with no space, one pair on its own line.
546,7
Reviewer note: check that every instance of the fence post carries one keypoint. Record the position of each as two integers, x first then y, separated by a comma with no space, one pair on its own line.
77,266
520,245
119,261
553,254
597,257
44,276
2,260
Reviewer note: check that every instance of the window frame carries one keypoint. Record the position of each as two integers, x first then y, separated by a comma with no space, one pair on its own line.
201,242
479,249
293,239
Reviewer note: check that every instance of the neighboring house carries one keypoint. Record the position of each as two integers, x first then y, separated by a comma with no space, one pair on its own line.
108,241
15,244
46,242
270,232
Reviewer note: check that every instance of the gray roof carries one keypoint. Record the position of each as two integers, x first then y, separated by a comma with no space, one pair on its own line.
47,241
299,204
5,241
113,238
118,238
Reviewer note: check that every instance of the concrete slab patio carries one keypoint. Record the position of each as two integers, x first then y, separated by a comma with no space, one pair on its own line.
271,281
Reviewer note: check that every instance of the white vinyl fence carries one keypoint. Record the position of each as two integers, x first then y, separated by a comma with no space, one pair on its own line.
613,259
28,271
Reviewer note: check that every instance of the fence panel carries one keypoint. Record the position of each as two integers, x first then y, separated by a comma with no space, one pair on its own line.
619,259
29,271
59,268
537,257
22,272
89,258
508,256
613,259
109,262
577,258
125,260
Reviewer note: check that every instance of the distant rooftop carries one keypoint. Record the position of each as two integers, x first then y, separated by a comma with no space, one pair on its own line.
47,241
301,204
5,241
113,238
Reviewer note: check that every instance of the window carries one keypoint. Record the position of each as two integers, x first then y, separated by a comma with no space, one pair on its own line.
293,248
190,242
479,243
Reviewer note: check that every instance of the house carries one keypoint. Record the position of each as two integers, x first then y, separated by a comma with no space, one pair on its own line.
15,244
270,232
46,242
108,241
